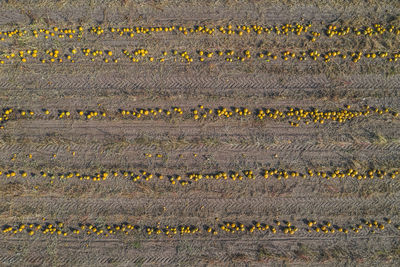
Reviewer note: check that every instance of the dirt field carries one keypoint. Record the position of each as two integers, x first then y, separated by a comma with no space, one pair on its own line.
199,133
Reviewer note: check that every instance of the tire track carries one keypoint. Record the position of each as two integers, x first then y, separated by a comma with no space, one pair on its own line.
222,126
129,255
299,206
263,13
228,148
236,132
182,82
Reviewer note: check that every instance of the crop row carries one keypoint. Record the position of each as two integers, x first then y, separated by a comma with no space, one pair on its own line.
192,177
219,227
238,30
74,55
294,115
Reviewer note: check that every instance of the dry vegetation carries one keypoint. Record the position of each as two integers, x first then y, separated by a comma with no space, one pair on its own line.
199,133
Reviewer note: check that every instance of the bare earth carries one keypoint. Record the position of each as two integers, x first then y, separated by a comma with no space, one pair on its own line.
38,146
